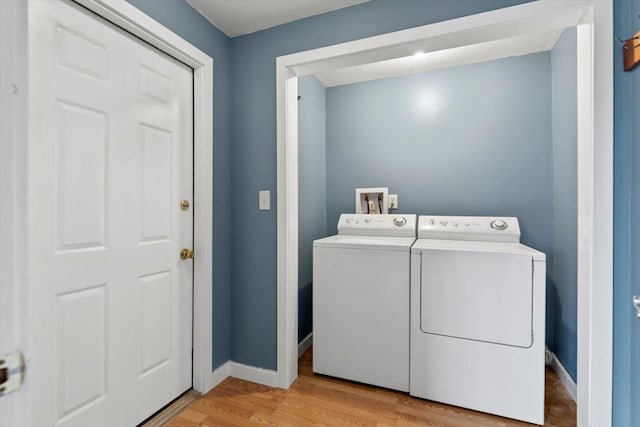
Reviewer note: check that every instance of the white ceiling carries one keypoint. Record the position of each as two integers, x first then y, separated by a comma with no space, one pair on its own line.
446,58
239,17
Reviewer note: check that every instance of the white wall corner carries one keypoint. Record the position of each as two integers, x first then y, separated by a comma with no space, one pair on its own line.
305,344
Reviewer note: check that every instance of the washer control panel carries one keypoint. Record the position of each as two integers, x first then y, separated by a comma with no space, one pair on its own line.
486,229
401,225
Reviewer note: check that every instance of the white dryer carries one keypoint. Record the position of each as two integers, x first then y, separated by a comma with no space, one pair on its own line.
478,317
361,300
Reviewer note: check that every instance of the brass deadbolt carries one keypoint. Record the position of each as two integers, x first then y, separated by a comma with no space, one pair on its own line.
184,205
186,254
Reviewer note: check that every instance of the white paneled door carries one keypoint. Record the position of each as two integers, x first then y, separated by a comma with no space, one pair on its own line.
110,160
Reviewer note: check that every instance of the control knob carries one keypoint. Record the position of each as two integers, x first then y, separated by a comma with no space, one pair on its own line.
499,225
399,221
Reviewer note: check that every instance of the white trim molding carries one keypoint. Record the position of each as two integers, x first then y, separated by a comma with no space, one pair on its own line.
218,375
287,155
14,326
305,344
266,377
595,215
565,378
594,22
232,369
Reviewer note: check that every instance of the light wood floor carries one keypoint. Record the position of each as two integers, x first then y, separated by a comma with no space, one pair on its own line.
320,400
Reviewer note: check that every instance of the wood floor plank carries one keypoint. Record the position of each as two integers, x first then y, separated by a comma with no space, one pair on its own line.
280,420
317,400
332,412
181,422
354,403
192,416
417,408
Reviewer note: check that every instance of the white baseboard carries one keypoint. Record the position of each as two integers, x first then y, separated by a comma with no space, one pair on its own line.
244,372
565,378
220,374
305,344
250,373
255,375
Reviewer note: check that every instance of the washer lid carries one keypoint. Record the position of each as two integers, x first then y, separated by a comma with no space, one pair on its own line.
474,246
382,243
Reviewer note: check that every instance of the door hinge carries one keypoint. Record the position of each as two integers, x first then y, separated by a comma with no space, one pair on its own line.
11,372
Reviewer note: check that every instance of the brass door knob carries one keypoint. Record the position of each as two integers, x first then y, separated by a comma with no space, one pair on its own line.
186,254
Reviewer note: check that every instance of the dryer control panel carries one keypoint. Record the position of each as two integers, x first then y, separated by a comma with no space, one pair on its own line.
400,225
484,229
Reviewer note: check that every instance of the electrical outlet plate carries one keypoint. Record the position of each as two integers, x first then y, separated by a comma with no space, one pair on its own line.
393,201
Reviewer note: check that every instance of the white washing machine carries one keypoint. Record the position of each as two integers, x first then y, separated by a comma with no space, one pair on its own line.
361,300
478,317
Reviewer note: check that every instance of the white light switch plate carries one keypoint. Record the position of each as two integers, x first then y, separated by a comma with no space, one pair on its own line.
264,200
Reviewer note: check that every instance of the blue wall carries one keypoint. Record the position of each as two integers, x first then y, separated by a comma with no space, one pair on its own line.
312,190
253,156
470,140
626,261
190,25
562,288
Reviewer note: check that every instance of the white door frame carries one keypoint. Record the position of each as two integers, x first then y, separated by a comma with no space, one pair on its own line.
14,131
594,22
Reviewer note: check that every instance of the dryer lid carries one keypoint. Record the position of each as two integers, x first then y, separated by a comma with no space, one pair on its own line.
476,246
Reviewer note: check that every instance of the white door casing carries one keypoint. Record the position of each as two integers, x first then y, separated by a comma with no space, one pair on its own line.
109,159
12,189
